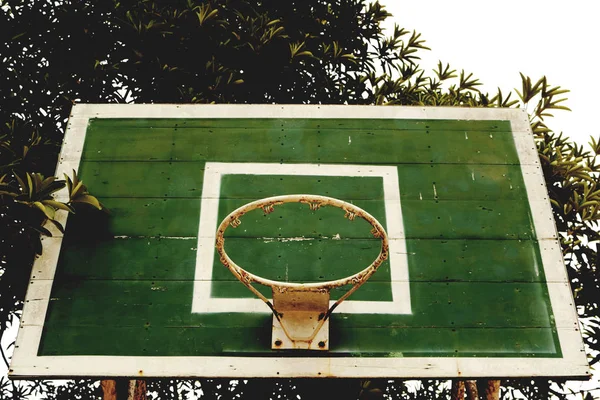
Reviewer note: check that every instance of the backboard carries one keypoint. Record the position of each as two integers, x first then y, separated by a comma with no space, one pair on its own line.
474,286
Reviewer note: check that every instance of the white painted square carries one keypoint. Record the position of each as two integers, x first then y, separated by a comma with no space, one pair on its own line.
209,209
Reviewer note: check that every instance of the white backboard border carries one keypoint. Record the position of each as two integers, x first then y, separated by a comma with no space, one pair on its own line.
26,363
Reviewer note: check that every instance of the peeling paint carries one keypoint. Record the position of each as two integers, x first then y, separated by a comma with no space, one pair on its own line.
349,140
420,196
435,195
473,175
295,239
291,239
466,136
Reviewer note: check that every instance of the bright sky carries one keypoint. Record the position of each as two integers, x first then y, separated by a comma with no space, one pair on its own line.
497,40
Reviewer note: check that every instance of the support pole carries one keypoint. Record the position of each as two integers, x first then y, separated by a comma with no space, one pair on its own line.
123,389
492,390
458,389
109,389
472,392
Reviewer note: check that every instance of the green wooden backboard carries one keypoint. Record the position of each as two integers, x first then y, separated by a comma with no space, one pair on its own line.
474,286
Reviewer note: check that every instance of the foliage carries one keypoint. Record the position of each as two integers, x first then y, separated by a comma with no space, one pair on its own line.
57,53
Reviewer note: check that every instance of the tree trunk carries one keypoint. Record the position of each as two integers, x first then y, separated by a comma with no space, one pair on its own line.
458,389
123,389
492,391
472,393
109,390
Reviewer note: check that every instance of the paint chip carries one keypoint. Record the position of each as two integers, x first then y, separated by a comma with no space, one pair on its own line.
284,240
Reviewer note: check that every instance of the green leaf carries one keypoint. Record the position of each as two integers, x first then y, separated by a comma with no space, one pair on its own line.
58,205
30,185
48,211
42,231
88,199
58,225
304,53
69,182
78,188
21,183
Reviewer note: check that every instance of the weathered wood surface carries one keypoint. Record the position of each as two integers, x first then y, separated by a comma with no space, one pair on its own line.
483,266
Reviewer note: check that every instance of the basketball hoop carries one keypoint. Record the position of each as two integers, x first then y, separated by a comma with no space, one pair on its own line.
301,311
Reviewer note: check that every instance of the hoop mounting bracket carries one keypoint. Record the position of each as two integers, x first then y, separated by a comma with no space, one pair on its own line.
300,320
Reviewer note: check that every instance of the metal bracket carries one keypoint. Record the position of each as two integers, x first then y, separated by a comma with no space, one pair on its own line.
300,318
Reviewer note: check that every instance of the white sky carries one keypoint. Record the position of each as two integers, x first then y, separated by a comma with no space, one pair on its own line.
497,40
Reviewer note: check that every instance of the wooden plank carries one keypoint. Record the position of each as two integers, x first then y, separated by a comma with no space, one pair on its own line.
461,182
452,219
429,260
143,179
475,260
153,216
180,217
143,315
462,304
156,341
129,258
423,219
372,342
184,179
345,188
393,147
296,145
303,123
453,342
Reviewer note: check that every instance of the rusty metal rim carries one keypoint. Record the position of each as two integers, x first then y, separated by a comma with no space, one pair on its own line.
315,202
